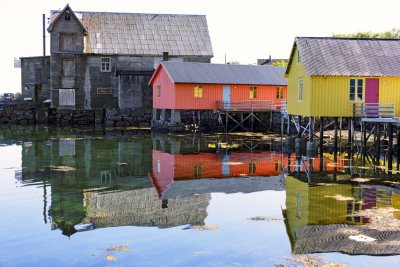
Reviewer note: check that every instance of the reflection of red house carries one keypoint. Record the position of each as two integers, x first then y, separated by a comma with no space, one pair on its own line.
168,167
198,86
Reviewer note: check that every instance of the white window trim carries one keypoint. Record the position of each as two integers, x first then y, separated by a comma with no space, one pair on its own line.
355,90
109,64
298,56
300,93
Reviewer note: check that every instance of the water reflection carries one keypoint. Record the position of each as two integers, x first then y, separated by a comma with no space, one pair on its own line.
90,181
334,206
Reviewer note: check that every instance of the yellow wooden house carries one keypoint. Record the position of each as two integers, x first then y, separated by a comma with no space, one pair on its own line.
326,76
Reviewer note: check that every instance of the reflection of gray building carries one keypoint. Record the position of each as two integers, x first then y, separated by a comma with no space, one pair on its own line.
143,207
228,185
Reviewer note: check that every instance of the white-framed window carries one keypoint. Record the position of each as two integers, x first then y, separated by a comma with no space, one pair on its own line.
300,89
356,92
279,92
198,91
158,90
66,97
298,56
253,92
105,64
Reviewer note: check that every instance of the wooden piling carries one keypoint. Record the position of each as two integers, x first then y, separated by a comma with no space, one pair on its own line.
335,144
390,147
299,132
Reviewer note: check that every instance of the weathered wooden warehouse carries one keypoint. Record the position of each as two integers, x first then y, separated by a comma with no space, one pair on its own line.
103,59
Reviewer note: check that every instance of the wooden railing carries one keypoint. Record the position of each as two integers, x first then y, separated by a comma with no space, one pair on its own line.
248,105
374,110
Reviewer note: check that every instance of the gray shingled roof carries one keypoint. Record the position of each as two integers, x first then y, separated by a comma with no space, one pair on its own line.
191,72
145,34
350,56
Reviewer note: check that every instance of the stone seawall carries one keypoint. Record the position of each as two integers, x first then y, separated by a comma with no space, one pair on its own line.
29,114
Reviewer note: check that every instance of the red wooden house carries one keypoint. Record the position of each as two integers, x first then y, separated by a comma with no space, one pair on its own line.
193,86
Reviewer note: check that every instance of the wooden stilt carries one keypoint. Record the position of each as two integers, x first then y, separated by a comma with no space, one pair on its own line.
348,130
335,143
321,143
398,148
390,147
378,145
288,130
364,133
311,130
299,132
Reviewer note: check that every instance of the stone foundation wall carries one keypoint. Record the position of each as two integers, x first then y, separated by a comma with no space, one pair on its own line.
28,114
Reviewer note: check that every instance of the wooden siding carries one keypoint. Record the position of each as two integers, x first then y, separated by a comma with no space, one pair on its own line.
62,27
294,106
330,95
166,100
184,97
389,92
263,92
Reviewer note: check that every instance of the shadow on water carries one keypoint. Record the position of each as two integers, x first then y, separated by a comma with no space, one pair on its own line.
334,203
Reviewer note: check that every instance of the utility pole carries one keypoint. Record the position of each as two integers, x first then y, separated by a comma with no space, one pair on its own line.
44,34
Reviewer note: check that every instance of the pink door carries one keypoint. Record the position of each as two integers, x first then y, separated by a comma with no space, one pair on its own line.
372,96
371,90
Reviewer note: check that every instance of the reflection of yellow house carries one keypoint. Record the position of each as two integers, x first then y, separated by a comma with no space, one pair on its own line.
318,205
322,218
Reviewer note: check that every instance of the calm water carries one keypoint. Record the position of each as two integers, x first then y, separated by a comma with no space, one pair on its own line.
78,198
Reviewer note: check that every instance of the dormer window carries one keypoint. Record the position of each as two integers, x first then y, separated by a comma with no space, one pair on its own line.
67,15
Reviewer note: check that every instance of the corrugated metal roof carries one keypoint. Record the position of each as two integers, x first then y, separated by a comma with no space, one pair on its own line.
145,34
350,56
193,72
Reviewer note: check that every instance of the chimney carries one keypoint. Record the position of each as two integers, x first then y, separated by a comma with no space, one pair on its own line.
165,56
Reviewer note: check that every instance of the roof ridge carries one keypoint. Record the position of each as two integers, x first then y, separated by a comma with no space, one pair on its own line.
347,38
126,13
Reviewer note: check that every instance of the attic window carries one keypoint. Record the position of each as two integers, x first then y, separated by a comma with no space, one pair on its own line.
298,57
67,15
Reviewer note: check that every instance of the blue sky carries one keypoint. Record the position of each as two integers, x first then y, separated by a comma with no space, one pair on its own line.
241,30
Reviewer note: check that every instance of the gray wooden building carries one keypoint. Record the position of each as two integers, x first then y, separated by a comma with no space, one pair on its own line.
100,59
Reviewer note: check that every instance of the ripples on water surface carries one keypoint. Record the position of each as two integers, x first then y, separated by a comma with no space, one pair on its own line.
75,198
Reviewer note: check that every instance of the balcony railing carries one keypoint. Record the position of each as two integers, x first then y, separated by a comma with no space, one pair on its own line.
374,110
248,105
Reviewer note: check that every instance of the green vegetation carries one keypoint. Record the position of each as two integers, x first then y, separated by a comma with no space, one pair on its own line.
281,63
394,33
233,62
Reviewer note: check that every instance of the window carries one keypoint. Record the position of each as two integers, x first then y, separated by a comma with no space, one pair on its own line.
104,91
252,168
356,89
253,92
198,91
66,97
279,92
67,67
197,171
158,90
105,64
67,42
300,89
298,56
